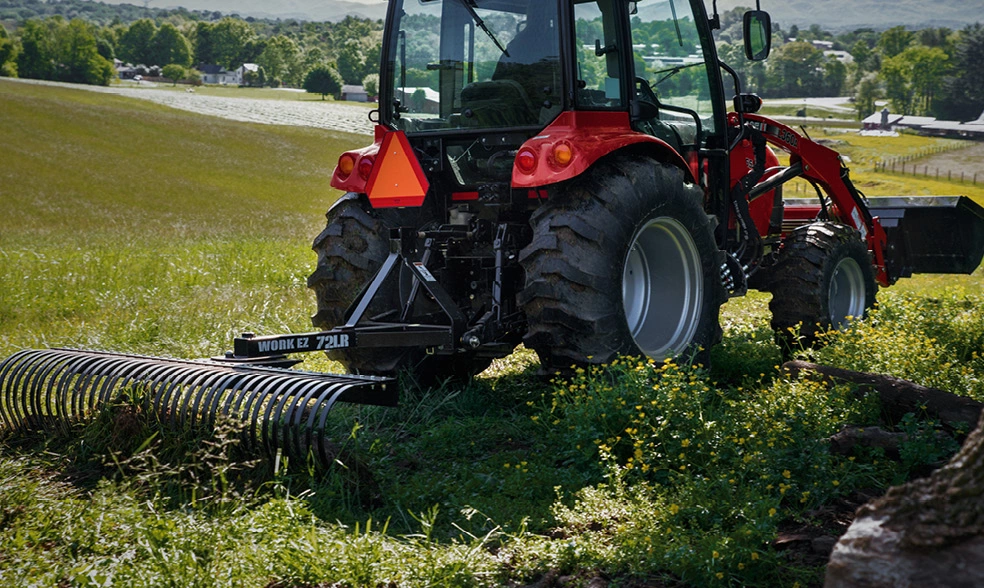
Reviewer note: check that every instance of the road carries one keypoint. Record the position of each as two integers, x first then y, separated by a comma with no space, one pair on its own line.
338,116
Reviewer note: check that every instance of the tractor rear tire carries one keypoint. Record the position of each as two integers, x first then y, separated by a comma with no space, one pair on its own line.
822,279
351,249
623,262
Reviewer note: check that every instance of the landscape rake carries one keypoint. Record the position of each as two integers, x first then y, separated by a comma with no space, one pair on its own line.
282,409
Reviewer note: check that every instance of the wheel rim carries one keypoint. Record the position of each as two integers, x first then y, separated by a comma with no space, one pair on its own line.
662,288
846,297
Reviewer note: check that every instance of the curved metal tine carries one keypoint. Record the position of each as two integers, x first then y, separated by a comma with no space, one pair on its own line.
218,375
33,384
326,460
73,379
275,412
212,399
23,378
160,381
260,397
239,393
245,400
295,413
298,390
88,382
8,385
308,403
98,374
271,393
177,390
116,380
199,384
18,400
332,390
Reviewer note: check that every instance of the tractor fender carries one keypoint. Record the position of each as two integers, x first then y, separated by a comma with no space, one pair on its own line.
576,140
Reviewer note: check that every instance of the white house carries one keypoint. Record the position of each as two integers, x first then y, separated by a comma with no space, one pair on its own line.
354,93
216,74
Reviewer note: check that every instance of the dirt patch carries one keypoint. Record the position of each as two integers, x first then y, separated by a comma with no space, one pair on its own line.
968,161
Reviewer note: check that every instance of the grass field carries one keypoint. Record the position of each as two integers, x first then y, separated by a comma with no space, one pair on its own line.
132,227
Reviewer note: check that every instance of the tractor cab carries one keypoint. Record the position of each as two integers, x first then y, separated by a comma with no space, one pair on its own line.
471,81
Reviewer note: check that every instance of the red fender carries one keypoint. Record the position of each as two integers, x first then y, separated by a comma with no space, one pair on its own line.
571,144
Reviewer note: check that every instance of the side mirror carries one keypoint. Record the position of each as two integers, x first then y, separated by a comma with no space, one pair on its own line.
758,34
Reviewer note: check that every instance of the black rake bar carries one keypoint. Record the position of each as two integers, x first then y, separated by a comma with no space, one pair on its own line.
282,409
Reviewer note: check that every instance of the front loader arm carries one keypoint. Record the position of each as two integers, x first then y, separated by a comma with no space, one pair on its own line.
824,168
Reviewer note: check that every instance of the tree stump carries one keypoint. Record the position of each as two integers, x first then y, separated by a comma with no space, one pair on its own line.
927,533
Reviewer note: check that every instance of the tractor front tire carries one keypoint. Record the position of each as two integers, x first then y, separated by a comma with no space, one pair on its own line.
622,262
351,249
822,279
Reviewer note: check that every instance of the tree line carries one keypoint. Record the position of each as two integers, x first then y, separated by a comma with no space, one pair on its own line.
80,43
933,71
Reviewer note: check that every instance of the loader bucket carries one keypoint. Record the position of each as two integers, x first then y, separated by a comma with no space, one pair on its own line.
282,410
930,234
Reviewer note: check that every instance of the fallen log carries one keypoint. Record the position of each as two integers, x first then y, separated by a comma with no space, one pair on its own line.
899,397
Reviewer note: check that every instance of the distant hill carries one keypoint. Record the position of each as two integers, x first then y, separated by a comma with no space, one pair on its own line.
839,15
833,15
316,10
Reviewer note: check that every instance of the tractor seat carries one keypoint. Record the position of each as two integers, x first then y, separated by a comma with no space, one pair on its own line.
497,103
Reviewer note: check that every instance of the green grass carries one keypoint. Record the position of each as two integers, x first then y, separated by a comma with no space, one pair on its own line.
133,227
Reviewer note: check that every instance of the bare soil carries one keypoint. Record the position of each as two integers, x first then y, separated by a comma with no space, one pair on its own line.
968,161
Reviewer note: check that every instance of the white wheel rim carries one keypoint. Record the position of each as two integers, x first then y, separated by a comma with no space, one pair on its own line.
846,296
662,288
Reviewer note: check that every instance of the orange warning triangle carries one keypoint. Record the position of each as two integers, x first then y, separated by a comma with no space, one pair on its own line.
397,178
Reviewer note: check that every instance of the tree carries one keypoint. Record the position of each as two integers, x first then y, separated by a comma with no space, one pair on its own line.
135,43
174,72
323,80
37,57
233,43
78,58
351,62
202,41
894,41
796,69
868,92
8,54
371,84
281,59
961,97
169,46
912,77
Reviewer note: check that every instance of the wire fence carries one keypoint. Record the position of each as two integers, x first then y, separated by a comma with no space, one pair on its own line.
909,165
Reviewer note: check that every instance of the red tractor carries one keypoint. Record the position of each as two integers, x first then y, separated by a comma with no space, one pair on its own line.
562,174
566,174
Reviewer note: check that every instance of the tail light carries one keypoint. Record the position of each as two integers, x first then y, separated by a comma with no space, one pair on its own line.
365,167
346,164
526,160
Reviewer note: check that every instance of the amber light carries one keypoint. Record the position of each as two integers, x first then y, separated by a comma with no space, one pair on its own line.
563,154
346,163
526,160
365,167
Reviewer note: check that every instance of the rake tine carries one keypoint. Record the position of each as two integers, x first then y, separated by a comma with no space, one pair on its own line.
282,409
